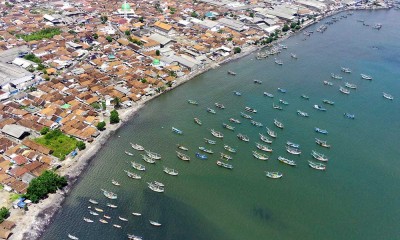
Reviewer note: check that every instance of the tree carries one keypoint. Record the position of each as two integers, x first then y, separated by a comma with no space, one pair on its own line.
252,14
127,33
44,130
109,38
48,182
114,117
285,28
117,102
4,213
95,36
158,52
103,19
101,125
237,50
194,14
81,145
141,19
293,25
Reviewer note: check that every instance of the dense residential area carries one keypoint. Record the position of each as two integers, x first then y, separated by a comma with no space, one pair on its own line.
69,68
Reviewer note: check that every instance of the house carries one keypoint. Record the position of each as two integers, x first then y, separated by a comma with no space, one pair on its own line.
16,131
164,28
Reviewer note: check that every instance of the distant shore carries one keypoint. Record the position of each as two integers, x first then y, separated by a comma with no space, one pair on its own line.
31,224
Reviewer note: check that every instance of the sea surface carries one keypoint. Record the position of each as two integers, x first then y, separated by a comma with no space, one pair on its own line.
357,197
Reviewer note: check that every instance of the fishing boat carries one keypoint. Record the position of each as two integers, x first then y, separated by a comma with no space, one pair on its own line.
279,62
206,150
319,130
148,159
283,102
128,153
231,73
293,55
287,161
282,90
177,131
181,147
132,175
265,138
72,237
210,110
87,220
209,141
154,223
263,147
107,217
322,143
170,171
122,219
224,165
244,115
229,148
109,194
305,97
117,226
257,81
268,94
136,214
216,134
274,175
243,137
328,83
346,70
133,237
219,105
319,156
115,183
155,188
257,124
99,209
137,147
294,151
293,145
276,107
93,201
237,93
335,76
228,126
183,156
193,102
318,107
344,90
226,156
153,155
301,113
366,77
278,124
111,205
348,115
317,166
93,213
271,133
388,96
326,101
233,120
249,109
102,221
201,156
138,166
159,184
350,85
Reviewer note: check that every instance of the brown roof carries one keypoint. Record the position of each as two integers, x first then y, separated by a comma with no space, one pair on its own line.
35,146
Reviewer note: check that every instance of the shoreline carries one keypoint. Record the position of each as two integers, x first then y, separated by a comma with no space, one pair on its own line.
33,223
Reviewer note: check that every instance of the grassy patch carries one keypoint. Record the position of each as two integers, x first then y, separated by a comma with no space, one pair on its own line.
39,35
14,197
60,143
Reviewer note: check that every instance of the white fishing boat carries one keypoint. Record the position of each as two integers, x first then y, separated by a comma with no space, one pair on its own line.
294,151
99,209
251,110
260,156
137,147
128,153
153,155
274,106
132,175
244,115
388,96
154,223
102,221
322,131
278,61
293,145
350,85
181,147
317,166
265,138
263,147
93,201
93,213
318,107
148,159
133,237
283,102
233,120
346,70
344,90
278,124
209,141
257,124
216,134
198,121
287,161
219,105
257,81
366,77
322,143
138,166
243,137
183,156
210,110
335,76
319,156
268,94
293,55
301,113
87,220
224,165
229,127
109,194
271,133
72,237
136,214
115,183
170,171
177,131
274,175
122,219
111,205
117,226
206,150
106,216
155,188
193,102
229,148
328,83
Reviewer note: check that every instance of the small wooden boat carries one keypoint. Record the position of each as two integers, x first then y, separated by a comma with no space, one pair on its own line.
305,97
274,175
231,73
111,205
348,115
122,219
317,166
128,153
153,155
335,76
209,141
260,156
72,237
344,90
220,105
226,156
278,124
265,138
388,96
322,143
237,93
319,156
227,126
233,120
87,220
294,151
154,223
283,102
106,216
201,156
102,220
216,134
326,101
193,102
282,90
328,83
196,120
271,133
132,175
115,183
137,147
318,107
183,156
263,147
301,113
93,213
210,110
181,147
117,226
93,201
279,62
257,124
206,150
346,70
322,131
243,137
366,77
350,85
293,55
109,194
99,209
287,161
257,81
148,159
138,166
177,131
229,148
276,107
136,214
293,145
224,165
170,171
268,94
244,115
251,110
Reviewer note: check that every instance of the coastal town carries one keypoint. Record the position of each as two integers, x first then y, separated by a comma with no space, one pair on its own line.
71,72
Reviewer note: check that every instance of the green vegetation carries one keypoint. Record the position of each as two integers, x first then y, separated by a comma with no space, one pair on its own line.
237,50
252,14
135,41
60,143
109,38
9,5
101,126
39,35
4,213
158,52
127,33
114,117
44,130
141,19
194,14
81,145
95,105
14,197
48,182
95,36
40,67
285,28
32,57
103,19
103,104
117,102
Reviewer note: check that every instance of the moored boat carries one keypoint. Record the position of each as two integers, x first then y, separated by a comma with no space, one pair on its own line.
328,83
128,153
350,85
251,110
257,81
99,209
318,107
134,237
317,166
231,73
93,201
388,96
137,147
346,70
305,97
102,221
276,107
216,134
294,151
322,143
224,165
115,182
293,145
107,217
282,90
293,55
72,237
136,214
319,156
201,156
87,220
260,156
226,156
122,219
237,93
111,205
132,175
227,126
268,94
278,61
278,124
271,133
138,166
265,138
326,101
117,226
198,121
206,150
93,213
301,113
193,102
348,115
154,223
257,124
274,175
155,187
344,90
210,110
183,156
177,131
148,159
233,120
283,102
263,147
287,161
171,171
243,137
319,130
229,148
335,76
109,194
209,141
153,155
181,147
244,115
219,105
366,77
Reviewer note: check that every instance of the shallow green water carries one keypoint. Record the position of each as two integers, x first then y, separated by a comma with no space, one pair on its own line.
356,198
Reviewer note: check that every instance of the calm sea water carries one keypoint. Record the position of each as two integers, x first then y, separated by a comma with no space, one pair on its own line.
356,198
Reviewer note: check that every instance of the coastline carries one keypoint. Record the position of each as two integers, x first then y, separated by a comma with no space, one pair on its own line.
33,223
